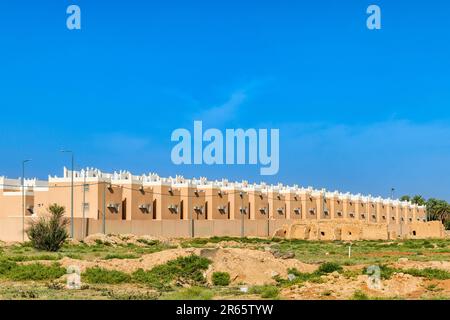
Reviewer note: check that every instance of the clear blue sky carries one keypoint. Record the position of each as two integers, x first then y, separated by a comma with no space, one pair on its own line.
358,110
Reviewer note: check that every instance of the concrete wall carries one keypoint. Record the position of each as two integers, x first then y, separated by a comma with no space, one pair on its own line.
11,229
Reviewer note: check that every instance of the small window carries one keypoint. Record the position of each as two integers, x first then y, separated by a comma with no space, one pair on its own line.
86,187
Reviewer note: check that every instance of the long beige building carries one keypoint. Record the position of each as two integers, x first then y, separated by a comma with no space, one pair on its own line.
150,204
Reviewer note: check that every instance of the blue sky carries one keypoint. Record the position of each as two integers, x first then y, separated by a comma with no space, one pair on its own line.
358,110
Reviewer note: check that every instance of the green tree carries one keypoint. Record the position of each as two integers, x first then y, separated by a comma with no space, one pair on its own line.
49,232
419,200
405,198
438,209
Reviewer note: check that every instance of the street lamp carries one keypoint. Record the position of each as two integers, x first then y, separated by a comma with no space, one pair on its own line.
392,193
71,192
23,198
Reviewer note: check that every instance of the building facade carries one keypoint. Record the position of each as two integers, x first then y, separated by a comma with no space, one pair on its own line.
123,197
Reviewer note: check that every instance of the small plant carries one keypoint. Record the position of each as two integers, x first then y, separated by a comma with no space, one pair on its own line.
221,278
359,295
433,287
49,233
329,267
265,291
100,275
326,293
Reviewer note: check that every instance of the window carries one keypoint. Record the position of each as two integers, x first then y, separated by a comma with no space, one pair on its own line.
85,206
86,187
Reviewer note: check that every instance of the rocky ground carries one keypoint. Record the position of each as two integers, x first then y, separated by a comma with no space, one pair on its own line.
257,268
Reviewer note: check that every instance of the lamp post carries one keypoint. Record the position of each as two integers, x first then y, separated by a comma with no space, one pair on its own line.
23,198
241,195
392,193
71,191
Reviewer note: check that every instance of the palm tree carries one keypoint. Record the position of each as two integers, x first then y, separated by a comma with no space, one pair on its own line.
405,198
442,211
419,200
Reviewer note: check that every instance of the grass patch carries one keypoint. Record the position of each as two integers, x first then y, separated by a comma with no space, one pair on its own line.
428,273
21,258
120,256
192,293
35,271
315,277
265,291
100,275
386,272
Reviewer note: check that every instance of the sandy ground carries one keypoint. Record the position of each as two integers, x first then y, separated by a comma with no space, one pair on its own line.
337,286
247,266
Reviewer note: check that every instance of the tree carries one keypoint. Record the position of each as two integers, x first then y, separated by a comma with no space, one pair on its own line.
419,200
405,198
438,209
49,232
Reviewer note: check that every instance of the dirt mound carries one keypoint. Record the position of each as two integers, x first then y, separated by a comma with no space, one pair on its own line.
407,264
400,284
124,239
251,266
336,286
146,262
243,265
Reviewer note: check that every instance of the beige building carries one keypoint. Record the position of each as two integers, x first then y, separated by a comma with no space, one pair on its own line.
123,199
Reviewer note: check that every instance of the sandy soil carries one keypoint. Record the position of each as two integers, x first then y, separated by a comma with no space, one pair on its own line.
252,266
337,286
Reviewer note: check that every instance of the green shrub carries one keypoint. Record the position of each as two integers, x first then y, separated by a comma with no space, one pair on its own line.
359,295
100,275
329,267
49,233
447,225
265,291
386,272
183,269
221,278
35,271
